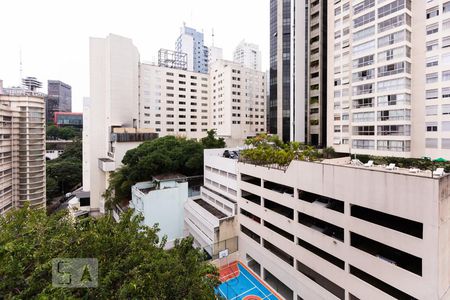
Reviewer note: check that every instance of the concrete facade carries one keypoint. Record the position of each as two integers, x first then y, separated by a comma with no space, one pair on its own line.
191,42
174,101
211,221
162,203
334,231
22,149
248,55
114,81
388,90
238,101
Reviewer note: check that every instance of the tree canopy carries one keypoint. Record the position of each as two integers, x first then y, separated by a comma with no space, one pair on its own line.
163,155
211,141
65,172
64,133
131,260
269,150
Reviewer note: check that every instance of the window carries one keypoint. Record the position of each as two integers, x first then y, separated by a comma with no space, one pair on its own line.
433,28
432,77
363,144
394,38
446,42
431,94
432,45
445,75
445,109
431,110
446,7
431,143
446,92
393,7
432,61
431,126
432,12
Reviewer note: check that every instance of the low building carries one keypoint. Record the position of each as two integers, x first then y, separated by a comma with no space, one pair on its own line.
161,202
72,119
211,218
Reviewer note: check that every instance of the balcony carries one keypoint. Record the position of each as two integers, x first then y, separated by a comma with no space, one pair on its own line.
106,164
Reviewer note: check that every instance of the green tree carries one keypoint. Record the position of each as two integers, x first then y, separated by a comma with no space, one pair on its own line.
52,132
164,155
131,259
211,141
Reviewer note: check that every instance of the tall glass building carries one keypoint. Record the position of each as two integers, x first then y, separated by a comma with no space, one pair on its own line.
298,43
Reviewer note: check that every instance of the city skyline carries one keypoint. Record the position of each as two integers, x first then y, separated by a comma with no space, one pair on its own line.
151,27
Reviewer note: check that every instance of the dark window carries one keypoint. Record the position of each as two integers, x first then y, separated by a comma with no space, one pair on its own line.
251,197
321,280
279,231
251,234
280,209
381,285
389,254
321,226
330,203
278,252
393,222
319,252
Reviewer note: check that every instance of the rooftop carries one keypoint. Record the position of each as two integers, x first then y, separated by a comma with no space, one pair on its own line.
355,163
211,209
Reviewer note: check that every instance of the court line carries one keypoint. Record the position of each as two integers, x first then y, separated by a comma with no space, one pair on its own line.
237,297
256,285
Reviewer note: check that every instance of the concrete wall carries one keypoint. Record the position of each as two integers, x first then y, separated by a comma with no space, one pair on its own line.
416,198
163,206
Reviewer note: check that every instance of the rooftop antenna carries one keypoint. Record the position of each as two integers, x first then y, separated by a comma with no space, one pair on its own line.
212,35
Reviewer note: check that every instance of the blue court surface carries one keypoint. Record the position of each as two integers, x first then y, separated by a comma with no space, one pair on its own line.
244,285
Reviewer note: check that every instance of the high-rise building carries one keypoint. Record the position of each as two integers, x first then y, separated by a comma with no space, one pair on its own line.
114,94
297,104
238,101
59,99
22,148
191,42
174,101
215,53
388,73
248,55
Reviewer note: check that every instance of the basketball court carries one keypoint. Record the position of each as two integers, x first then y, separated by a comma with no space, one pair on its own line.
239,283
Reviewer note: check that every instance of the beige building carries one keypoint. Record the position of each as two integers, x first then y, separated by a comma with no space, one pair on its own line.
238,101
22,149
174,101
332,230
389,70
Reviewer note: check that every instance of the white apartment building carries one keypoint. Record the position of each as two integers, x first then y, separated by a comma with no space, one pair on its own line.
174,101
215,53
210,218
388,77
114,94
238,101
248,55
22,149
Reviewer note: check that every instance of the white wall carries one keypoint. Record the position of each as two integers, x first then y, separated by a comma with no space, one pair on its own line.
164,206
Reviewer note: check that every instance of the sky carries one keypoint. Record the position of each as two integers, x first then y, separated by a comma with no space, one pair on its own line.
53,35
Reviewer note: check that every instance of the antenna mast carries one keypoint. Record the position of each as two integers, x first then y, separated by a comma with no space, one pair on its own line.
212,37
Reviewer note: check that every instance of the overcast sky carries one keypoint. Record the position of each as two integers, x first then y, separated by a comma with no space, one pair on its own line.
54,34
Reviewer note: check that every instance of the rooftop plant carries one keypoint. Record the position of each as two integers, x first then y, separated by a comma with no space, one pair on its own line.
270,151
